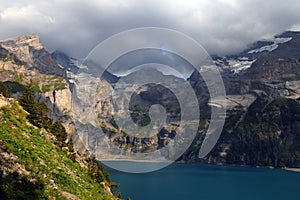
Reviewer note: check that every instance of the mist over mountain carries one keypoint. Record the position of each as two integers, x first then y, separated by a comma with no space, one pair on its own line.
222,26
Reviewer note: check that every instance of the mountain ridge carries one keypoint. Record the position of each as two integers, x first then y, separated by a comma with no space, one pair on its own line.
23,49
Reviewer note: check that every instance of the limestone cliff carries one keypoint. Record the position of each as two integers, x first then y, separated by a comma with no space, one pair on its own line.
28,51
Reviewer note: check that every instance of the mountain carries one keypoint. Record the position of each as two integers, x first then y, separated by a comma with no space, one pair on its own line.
262,124
261,82
250,92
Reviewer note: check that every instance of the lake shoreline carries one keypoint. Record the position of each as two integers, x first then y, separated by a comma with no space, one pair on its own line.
128,160
180,162
291,169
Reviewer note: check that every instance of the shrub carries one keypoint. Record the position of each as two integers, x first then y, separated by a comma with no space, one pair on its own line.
5,90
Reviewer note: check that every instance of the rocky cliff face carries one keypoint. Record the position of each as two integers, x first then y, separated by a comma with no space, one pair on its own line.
28,51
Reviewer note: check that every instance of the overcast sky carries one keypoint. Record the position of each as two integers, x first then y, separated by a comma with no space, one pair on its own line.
76,26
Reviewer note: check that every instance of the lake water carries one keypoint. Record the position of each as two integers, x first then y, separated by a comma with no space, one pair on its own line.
207,182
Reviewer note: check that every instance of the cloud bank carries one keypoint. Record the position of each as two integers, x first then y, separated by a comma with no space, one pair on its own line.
75,27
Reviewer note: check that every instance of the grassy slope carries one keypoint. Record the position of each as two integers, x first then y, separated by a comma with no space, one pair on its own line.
48,168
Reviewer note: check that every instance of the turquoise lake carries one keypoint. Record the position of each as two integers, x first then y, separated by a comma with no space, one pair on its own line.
209,182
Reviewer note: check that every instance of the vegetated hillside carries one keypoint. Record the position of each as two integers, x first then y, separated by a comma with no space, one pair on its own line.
267,135
37,163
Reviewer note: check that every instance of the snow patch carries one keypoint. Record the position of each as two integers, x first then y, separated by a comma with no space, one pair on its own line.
272,47
237,66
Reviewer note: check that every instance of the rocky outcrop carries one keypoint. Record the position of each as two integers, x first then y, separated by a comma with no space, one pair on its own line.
59,101
103,106
3,101
27,50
